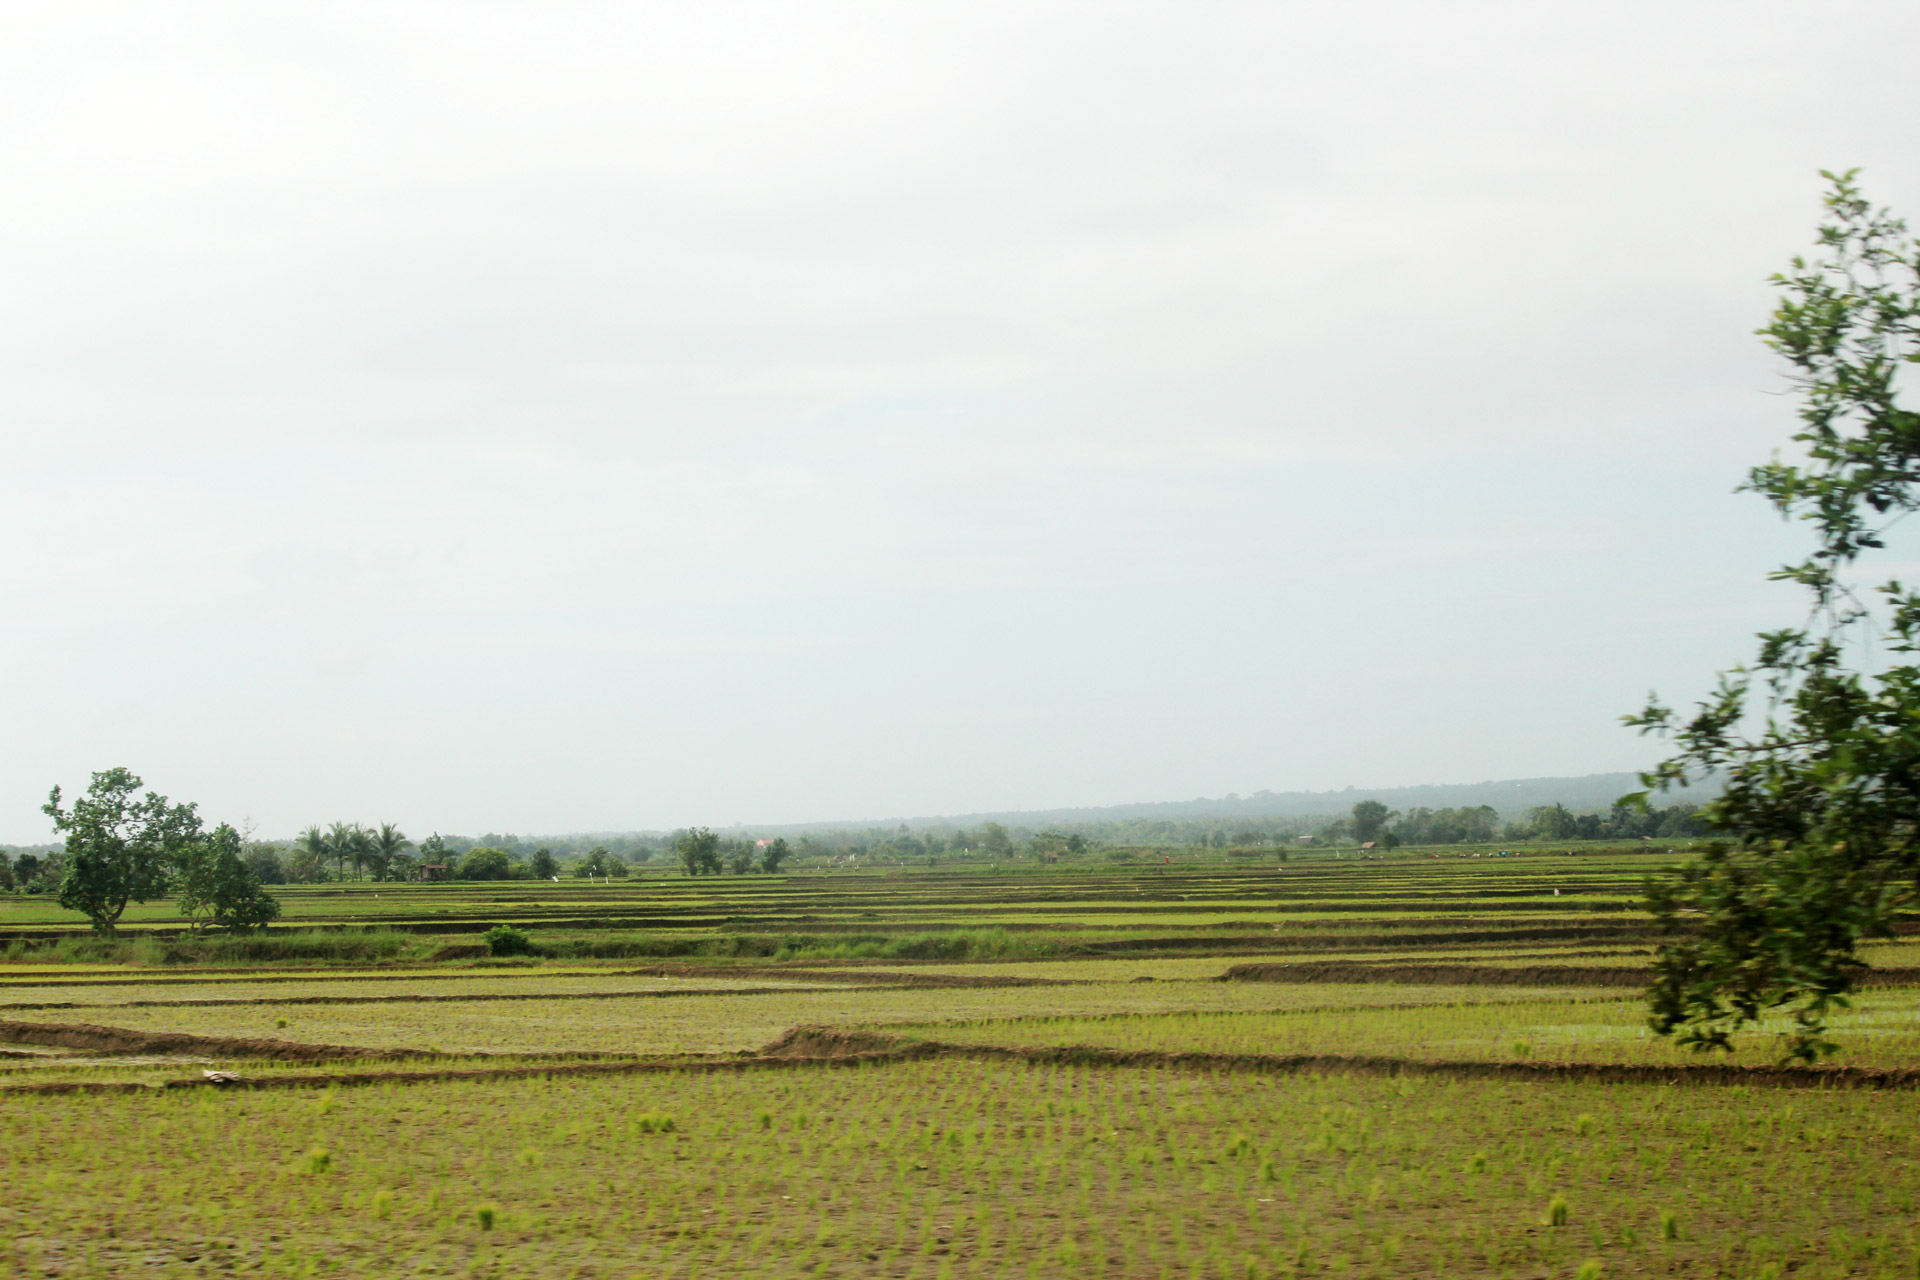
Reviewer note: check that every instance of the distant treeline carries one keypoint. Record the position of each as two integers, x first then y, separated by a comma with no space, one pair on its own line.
351,851
1480,824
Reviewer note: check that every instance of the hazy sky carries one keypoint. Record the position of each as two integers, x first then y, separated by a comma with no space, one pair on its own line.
550,417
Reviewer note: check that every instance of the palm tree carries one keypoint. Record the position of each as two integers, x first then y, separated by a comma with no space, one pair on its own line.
314,842
387,843
365,853
343,842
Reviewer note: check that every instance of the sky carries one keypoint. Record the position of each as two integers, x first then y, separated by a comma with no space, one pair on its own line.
572,416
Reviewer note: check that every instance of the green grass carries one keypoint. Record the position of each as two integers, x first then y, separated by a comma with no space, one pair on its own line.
957,1168
725,1023
1882,1030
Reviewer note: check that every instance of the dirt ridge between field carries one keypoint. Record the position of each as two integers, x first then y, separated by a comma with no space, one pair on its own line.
814,971
1441,975
817,1046
476,998
82,1035
816,982
124,1040
829,1044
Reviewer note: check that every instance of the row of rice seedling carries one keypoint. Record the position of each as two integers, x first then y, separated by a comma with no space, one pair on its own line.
951,1168
1881,1030
457,986
721,1023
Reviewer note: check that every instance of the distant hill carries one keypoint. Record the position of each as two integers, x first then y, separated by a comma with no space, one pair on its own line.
1512,798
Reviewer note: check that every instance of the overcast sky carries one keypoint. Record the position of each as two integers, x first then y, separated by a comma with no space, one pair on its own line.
554,417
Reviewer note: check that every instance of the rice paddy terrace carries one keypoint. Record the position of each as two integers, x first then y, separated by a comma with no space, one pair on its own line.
1591,895
1432,1065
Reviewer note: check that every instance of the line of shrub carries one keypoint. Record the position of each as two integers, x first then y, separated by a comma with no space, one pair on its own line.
360,946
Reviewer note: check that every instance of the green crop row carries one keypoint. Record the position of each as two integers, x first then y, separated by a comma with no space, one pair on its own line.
948,1169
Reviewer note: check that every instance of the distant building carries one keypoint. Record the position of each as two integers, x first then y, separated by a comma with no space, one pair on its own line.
1371,844
433,871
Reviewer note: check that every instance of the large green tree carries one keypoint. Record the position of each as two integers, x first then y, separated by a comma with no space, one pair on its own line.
216,887
1369,817
486,863
121,846
1818,740
698,851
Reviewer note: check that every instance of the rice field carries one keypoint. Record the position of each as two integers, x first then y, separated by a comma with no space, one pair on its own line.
963,1169
1881,1030
608,1107
715,1023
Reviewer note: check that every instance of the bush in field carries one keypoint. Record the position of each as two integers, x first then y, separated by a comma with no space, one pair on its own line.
776,852
483,863
27,873
219,890
505,940
542,864
312,944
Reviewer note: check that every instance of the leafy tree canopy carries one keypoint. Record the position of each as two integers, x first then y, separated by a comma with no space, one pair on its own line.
217,888
1369,817
698,851
120,846
1819,739
486,864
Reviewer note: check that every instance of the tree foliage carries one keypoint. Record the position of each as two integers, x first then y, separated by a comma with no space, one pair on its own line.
506,940
217,888
698,851
388,843
486,864
120,846
1369,817
1819,745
